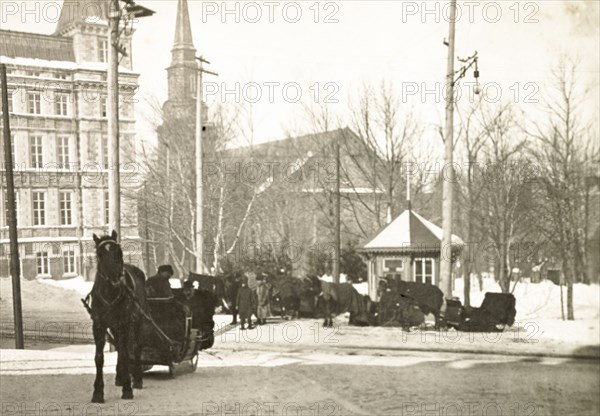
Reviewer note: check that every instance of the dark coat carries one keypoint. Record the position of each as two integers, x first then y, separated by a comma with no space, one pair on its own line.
158,287
245,302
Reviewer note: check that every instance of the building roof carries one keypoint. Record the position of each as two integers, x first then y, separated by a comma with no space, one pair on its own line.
36,46
409,233
183,29
81,11
294,146
315,151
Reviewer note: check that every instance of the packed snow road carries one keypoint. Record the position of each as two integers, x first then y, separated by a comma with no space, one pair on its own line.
350,382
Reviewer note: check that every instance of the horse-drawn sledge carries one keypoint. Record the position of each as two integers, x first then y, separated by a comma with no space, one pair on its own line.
145,332
170,336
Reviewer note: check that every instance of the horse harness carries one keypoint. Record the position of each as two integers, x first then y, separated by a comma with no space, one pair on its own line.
124,291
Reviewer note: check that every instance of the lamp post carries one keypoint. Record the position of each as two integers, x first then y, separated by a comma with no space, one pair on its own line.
452,77
115,16
199,208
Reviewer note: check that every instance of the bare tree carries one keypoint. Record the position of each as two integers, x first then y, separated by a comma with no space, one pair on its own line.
566,156
471,140
504,188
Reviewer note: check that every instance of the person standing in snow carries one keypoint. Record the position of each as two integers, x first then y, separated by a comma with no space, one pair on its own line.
262,294
245,304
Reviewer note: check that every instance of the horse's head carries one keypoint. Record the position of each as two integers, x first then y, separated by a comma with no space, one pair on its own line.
110,257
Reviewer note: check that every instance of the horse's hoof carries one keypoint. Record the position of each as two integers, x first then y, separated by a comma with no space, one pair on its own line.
127,395
98,398
138,385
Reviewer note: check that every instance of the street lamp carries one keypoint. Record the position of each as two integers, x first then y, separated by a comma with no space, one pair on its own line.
452,77
129,11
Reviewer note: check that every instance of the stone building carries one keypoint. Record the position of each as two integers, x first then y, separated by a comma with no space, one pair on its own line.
57,104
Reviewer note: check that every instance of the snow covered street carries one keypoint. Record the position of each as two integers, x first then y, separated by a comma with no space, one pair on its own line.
306,383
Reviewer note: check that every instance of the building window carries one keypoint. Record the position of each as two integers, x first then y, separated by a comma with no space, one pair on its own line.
424,271
393,267
103,50
106,208
66,208
42,260
37,158
103,107
61,104
104,152
126,109
60,76
39,208
34,103
10,101
63,151
69,262
33,74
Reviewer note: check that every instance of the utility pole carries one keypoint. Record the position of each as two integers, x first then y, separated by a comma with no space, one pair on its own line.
115,15
200,268
15,267
147,227
447,185
112,110
336,260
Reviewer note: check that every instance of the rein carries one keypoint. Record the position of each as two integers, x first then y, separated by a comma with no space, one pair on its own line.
124,290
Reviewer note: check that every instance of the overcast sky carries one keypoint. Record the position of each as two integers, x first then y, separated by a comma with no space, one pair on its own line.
349,43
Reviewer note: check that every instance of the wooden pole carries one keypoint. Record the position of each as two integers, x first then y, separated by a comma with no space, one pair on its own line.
114,181
199,210
15,267
447,181
336,260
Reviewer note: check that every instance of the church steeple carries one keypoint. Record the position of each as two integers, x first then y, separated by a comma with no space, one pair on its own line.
183,70
183,30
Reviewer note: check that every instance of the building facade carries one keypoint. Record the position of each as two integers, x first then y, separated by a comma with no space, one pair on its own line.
57,94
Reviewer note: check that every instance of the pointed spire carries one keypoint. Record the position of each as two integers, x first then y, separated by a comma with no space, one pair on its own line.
183,29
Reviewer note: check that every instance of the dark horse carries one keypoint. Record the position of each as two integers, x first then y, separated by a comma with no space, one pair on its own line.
118,297
325,298
213,284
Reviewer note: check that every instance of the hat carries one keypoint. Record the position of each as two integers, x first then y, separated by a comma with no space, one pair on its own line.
165,268
188,284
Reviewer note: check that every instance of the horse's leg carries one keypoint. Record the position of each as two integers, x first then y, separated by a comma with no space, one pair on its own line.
137,356
119,373
123,362
99,334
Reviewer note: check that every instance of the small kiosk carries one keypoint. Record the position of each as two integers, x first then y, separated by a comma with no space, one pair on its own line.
408,249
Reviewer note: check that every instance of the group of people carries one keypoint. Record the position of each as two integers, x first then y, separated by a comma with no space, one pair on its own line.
246,302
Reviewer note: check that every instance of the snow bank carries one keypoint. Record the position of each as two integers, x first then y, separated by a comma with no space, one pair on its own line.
539,300
44,301
329,279
362,288
78,284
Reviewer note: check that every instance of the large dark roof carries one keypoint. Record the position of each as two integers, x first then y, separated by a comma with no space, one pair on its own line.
36,46
295,146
